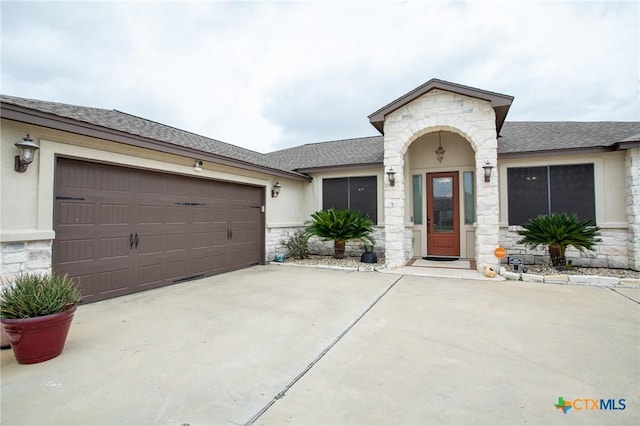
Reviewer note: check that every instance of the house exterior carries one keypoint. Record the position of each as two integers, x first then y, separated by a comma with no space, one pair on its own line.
127,204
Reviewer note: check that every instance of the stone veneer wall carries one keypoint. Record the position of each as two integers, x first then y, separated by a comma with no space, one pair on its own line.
632,185
325,248
610,253
436,110
25,257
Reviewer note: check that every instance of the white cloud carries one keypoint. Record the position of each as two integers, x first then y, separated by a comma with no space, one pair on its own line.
265,75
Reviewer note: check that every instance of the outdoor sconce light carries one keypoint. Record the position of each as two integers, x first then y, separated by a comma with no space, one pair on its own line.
198,166
392,176
27,149
440,151
487,172
276,190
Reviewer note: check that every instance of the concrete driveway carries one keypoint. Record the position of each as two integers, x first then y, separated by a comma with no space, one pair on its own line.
278,345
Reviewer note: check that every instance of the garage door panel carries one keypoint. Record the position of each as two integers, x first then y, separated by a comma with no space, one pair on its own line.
176,269
150,274
114,247
150,184
200,262
174,242
185,227
151,215
115,214
75,250
178,186
200,240
77,176
117,180
177,215
201,215
75,214
150,244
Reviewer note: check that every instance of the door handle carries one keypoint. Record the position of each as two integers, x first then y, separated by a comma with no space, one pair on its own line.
228,233
136,240
130,241
231,231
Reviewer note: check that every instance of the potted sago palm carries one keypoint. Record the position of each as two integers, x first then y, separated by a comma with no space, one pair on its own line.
36,312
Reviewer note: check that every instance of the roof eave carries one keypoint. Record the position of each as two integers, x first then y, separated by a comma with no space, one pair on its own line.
555,152
628,145
52,121
338,167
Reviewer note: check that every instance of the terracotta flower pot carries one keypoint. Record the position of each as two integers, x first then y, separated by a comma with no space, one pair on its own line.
38,339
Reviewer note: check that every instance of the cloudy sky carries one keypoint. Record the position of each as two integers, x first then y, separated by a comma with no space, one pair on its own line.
267,75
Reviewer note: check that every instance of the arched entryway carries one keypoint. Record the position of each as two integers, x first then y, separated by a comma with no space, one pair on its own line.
470,115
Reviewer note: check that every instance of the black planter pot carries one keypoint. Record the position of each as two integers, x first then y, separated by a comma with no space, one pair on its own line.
369,257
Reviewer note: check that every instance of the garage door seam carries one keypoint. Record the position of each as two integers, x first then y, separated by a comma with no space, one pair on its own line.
281,394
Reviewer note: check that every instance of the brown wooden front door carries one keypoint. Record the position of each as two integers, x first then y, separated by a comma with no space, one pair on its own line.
121,230
443,217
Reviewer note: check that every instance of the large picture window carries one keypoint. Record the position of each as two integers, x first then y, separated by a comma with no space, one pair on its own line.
355,193
550,189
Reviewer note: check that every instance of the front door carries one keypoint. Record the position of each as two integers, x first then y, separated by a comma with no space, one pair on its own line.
443,222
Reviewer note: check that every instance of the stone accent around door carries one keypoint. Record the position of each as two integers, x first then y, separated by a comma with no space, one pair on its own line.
475,120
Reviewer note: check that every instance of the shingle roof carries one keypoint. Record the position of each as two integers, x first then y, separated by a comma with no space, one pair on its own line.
534,136
133,125
368,150
516,138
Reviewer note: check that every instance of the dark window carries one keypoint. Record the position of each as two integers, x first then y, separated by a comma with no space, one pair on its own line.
355,193
550,189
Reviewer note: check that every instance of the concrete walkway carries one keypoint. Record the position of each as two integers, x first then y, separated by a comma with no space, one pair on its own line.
272,345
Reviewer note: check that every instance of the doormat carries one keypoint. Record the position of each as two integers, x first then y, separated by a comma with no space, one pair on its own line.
441,259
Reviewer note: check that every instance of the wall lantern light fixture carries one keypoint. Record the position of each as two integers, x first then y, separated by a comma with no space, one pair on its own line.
27,149
392,176
440,151
276,190
487,171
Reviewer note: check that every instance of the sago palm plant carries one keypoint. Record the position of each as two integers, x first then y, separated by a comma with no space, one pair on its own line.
340,226
559,231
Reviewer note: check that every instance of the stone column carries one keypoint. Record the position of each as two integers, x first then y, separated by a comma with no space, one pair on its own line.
632,185
487,207
394,210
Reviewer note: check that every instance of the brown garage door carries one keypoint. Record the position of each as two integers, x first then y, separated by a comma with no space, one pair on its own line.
121,230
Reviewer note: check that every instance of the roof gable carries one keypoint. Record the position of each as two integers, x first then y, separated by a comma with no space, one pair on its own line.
500,103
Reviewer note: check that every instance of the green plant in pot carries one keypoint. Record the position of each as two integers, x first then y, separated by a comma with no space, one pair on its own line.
36,312
341,226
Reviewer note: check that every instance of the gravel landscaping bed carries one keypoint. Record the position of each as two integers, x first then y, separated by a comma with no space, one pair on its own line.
354,262
602,272
349,262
